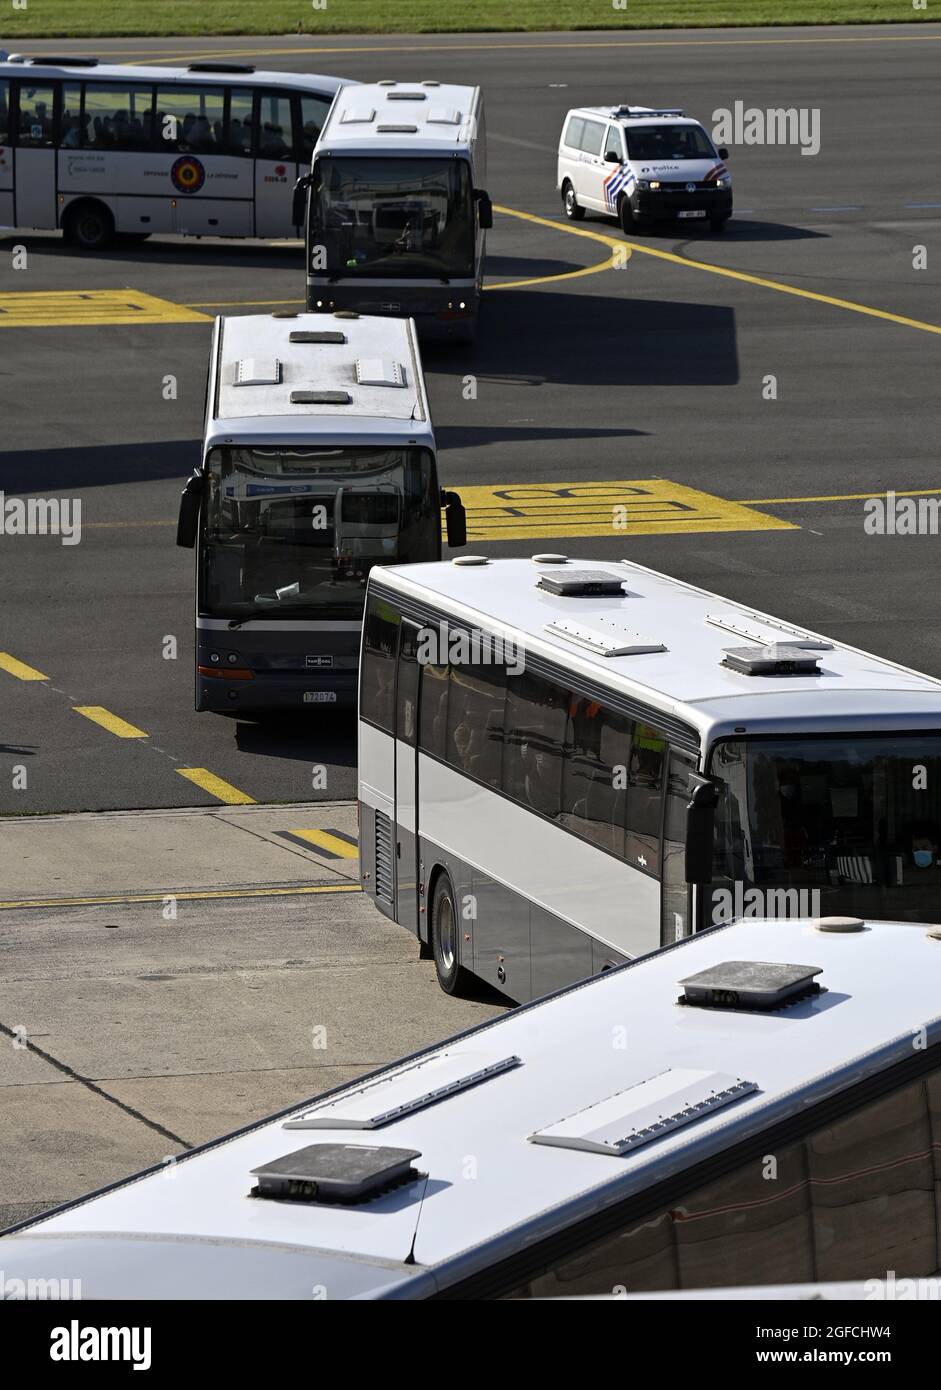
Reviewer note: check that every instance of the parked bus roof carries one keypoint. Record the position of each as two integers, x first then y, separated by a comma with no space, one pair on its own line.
368,384
235,75
400,118
191,1229
853,690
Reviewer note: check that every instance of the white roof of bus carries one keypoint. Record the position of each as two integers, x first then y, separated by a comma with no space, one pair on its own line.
193,1231
297,81
853,691
259,346
441,114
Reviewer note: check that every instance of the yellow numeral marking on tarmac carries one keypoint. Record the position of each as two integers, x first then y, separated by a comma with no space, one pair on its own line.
215,786
74,308
119,727
640,507
322,839
19,669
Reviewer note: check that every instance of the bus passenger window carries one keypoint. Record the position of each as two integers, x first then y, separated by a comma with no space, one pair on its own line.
190,119
70,121
238,136
645,796
313,114
377,688
595,778
37,108
475,721
4,113
274,127
433,709
534,743
116,117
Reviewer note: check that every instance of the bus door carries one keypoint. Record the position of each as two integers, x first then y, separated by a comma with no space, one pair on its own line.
675,905
275,168
406,779
35,156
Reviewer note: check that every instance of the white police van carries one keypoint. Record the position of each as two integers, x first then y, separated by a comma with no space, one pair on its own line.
642,166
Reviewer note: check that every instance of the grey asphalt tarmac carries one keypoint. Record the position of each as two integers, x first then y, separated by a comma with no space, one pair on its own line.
655,370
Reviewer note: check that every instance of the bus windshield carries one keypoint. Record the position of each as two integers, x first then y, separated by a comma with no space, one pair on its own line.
393,217
295,532
856,818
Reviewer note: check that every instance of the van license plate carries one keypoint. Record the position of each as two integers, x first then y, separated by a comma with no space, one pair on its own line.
692,212
320,697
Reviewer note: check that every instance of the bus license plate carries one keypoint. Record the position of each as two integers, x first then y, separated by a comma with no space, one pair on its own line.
320,697
692,212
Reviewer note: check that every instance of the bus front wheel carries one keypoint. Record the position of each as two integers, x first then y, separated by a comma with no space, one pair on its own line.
445,939
89,225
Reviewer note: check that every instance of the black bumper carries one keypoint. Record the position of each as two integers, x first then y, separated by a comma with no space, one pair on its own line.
278,693
664,207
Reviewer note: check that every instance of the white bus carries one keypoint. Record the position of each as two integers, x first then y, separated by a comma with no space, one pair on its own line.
318,462
616,1137
542,744
212,149
396,205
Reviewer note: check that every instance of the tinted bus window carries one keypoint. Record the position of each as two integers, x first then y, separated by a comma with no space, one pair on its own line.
70,117
377,679
275,140
433,710
313,114
594,797
37,117
4,113
189,119
406,690
534,743
476,701
645,797
117,117
238,138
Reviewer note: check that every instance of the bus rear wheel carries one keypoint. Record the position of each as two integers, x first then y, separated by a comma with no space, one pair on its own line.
445,939
89,226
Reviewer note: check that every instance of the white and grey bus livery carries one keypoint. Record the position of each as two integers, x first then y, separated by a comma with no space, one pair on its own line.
396,205
612,1138
636,759
99,149
318,462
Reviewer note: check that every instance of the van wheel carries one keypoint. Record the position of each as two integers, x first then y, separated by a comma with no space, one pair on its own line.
626,217
570,206
89,225
445,939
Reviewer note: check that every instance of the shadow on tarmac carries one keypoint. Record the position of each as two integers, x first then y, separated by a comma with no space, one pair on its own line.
302,739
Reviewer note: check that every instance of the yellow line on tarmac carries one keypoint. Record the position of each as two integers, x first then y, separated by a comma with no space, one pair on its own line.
729,274
324,840
199,896
840,496
215,786
19,669
119,727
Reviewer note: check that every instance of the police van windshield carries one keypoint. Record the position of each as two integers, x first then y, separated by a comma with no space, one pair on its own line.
393,217
666,142
295,532
858,819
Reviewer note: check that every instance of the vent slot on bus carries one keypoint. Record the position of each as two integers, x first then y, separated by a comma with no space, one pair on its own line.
257,371
51,60
443,115
655,1107
307,335
344,1173
391,1097
767,630
321,398
384,858
406,96
752,986
358,115
776,659
582,583
604,638
379,371
397,129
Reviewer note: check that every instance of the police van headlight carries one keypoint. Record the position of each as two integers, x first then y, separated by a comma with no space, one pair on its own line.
724,181
647,184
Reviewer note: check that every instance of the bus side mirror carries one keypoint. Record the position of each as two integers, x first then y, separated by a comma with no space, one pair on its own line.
723,152
484,210
299,200
188,524
700,832
455,517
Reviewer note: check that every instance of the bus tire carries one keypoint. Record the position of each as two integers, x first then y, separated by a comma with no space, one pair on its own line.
89,225
445,939
570,205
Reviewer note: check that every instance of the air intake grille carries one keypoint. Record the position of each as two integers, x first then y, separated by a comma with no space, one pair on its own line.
384,860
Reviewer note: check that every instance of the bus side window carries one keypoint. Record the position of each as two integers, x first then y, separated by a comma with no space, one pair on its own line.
240,124
645,796
37,116
594,792
476,700
115,117
274,126
313,113
406,689
4,112
189,119
377,674
534,743
433,709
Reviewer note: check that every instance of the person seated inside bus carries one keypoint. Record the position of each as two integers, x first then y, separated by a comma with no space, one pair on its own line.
272,144
918,861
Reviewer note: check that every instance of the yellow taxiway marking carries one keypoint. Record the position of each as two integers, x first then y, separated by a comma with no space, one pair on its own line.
841,496
119,727
19,669
215,786
639,507
195,896
322,839
81,308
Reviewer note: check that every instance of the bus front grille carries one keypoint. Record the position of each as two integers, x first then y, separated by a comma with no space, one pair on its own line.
384,859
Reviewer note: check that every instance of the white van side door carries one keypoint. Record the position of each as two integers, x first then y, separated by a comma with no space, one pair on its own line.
591,168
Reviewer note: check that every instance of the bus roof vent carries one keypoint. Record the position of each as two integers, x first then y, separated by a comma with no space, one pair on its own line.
391,1097
443,115
358,115
220,67
753,986
765,630
550,558
406,96
321,398
49,60
379,371
344,1173
582,583
653,1108
307,335
776,659
397,129
257,371
605,638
